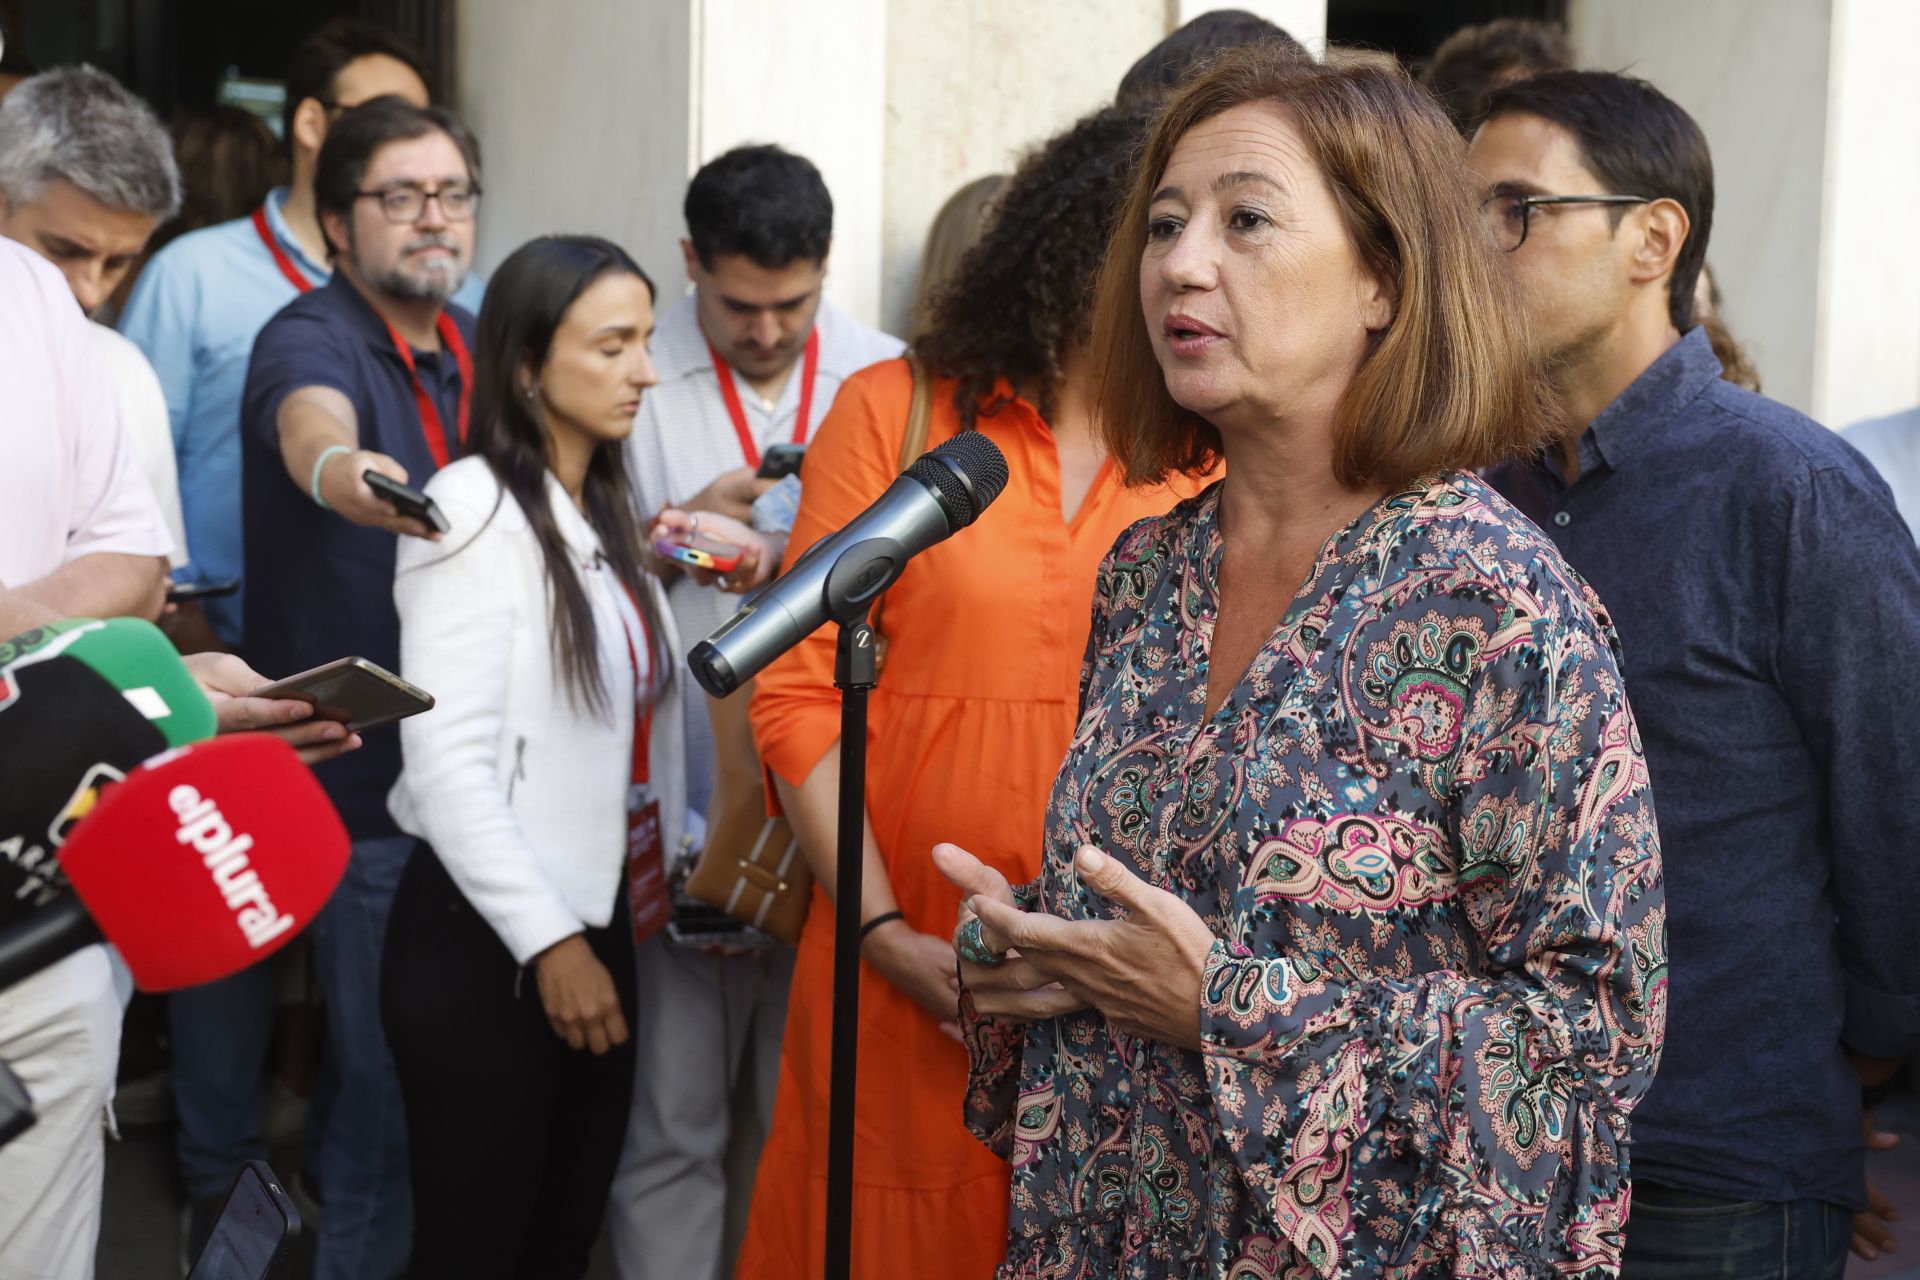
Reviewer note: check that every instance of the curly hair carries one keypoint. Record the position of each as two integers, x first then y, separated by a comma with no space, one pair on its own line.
1023,296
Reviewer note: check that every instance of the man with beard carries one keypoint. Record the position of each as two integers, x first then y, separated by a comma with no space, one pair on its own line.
1768,602
370,373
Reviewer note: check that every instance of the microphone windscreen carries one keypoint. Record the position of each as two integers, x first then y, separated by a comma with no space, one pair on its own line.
208,859
965,473
65,735
135,657
33,639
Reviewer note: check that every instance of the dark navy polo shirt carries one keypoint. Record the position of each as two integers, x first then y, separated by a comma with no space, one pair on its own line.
318,586
1767,597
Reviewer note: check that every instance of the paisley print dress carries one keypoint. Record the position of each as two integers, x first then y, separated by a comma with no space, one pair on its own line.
1421,832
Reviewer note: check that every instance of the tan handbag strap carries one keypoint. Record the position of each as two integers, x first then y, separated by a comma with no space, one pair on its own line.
914,443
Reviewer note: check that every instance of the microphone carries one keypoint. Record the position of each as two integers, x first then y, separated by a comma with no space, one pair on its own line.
135,657
839,577
203,862
65,735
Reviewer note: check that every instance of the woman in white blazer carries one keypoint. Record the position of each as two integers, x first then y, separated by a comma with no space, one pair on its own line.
545,785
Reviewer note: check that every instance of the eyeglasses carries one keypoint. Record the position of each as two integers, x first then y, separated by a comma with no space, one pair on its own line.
1507,215
403,202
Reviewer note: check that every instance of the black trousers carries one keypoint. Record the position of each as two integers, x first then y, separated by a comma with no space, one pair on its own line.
514,1137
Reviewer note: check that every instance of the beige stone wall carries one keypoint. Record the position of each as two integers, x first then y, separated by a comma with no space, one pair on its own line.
972,85
1754,74
584,110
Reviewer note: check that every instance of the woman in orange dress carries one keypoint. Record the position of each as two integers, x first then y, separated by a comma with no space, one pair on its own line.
968,726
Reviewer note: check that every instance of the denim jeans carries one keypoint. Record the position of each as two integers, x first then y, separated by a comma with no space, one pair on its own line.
366,1227
219,1035
1684,1235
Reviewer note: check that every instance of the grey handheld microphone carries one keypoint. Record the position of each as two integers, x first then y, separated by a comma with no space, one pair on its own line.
841,575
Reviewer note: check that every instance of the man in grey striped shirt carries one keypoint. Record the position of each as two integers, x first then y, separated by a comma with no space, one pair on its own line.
753,357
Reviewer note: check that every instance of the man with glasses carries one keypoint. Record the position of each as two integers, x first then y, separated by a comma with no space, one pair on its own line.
1768,603
198,305
372,372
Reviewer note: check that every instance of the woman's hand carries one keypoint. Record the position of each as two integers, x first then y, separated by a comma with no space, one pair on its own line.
1015,990
579,996
1142,972
228,682
759,554
920,967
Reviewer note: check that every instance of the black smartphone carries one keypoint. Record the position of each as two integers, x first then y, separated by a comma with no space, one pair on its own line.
206,589
781,461
357,693
255,1231
16,1106
407,501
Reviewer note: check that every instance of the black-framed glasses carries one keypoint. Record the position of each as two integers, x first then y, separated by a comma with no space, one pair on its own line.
403,202
1507,215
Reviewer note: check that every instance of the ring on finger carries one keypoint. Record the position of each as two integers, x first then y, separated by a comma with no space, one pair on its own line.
971,944
693,522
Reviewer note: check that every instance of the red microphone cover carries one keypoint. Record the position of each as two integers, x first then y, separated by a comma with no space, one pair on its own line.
207,859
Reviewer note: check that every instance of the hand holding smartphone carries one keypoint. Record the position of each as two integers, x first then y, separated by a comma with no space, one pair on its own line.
407,500
357,693
701,552
781,461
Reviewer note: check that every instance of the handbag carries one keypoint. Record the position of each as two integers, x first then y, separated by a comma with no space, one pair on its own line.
751,866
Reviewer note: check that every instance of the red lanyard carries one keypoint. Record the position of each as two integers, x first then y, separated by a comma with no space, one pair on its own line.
430,424
643,705
280,259
731,394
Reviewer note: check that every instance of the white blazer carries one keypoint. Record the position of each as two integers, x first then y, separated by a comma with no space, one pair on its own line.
521,790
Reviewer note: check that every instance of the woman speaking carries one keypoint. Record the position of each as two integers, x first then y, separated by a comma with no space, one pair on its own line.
543,786
1347,954
968,722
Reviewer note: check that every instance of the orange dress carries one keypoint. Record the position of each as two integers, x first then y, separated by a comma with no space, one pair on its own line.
966,731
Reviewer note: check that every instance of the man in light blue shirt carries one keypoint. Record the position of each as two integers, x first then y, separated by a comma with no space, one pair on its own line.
1892,445
199,303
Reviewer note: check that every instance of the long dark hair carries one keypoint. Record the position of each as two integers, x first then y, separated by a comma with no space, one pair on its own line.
526,301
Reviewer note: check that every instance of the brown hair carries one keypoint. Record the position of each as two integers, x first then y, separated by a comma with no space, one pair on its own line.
1452,382
958,226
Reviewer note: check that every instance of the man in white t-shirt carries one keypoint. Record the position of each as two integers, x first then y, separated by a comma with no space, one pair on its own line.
87,175
80,534
752,358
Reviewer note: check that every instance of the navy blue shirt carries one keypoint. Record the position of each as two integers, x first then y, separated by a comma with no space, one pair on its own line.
1767,597
318,586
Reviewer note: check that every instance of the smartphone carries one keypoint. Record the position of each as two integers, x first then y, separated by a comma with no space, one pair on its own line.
407,501
701,552
16,1106
781,461
357,693
698,924
206,589
255,1231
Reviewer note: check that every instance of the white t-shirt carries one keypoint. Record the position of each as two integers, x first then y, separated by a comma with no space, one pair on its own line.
143,412
71,481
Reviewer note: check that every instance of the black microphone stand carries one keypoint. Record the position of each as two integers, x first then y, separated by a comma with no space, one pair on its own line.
862,573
